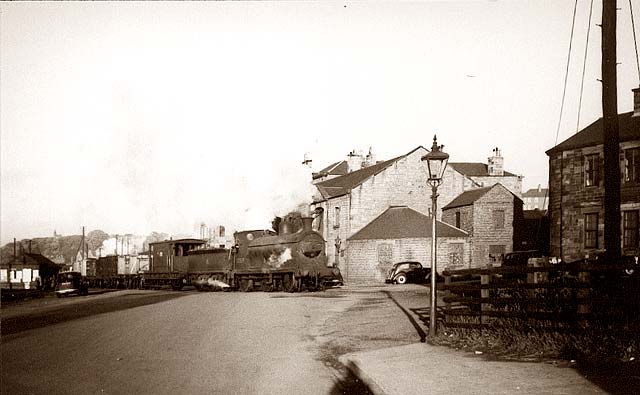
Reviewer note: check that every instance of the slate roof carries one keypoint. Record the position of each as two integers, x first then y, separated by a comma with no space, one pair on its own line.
469,197
533,192
335,169
401,222
476,169
593,134
342,185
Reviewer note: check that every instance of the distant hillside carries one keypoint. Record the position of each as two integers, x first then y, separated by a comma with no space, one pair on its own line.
63,249
60,249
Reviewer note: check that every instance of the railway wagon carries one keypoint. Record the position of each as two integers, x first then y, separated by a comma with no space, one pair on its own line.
169,263
114,271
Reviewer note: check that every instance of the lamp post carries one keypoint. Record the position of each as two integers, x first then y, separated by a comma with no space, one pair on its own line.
436,162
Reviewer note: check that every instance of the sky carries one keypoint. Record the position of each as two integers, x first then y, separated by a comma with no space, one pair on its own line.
158,116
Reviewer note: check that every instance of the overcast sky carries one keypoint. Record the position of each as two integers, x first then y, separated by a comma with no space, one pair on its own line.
133,117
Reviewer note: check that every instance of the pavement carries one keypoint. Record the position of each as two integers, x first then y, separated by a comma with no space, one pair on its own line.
426,369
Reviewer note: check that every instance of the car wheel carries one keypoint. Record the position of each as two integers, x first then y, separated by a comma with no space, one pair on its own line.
401,278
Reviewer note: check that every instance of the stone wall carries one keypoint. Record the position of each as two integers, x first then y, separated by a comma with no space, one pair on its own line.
370,260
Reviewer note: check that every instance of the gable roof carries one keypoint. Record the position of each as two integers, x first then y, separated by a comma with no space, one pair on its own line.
335,169
401,222
475,169
534,192
469,197
342,185
629,129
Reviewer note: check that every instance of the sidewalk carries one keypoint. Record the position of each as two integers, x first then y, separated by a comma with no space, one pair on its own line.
424,369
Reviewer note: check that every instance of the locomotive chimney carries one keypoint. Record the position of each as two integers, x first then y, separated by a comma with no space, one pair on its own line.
306,223
285,228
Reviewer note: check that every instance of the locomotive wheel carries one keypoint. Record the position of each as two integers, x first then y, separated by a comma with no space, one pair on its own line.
246,285
290,283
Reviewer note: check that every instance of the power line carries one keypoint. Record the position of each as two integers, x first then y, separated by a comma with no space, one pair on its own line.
566,74
584,66
635,39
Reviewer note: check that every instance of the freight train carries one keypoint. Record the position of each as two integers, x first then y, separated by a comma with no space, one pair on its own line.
290,260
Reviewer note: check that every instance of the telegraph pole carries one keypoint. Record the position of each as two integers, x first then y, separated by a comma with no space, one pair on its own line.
611,133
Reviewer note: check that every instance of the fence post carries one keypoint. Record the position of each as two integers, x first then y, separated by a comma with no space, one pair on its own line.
584,306
484,293
447,293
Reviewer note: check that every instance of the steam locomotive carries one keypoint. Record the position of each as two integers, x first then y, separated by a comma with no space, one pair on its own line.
291,260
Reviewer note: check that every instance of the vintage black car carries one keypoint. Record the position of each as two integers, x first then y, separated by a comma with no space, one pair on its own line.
71,283
405,272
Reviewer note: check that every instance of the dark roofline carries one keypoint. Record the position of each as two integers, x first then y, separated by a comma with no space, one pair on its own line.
359,176
462,199
593,134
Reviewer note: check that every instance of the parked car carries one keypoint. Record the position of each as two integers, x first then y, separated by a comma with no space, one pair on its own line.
409,272
71,283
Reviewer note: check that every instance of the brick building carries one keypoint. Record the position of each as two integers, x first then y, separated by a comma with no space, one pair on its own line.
492,216
402,234
576,189
345,204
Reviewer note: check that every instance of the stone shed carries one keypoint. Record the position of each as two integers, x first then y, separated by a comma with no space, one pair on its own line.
402,234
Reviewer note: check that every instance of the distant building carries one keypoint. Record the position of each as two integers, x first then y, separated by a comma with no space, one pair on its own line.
492,216
536,198
402,234
28,271
576,189
347,203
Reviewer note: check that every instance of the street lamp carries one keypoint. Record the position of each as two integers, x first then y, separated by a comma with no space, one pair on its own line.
436,161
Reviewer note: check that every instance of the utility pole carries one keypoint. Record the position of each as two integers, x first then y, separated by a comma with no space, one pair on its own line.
611,133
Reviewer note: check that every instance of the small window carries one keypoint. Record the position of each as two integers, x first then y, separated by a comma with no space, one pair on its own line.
630,229
631,169
336,223
496,253
591,230
458,219
591,170
498,219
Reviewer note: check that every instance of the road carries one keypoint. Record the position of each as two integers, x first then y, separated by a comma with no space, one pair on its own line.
159,342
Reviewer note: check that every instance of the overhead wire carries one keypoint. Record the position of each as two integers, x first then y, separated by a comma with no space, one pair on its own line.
635,39
584,66
564,94
566,74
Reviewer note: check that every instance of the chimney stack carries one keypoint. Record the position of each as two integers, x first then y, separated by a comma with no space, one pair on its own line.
307,224
496,163
636,102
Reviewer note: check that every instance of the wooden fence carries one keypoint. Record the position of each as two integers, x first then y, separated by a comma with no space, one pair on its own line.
542,296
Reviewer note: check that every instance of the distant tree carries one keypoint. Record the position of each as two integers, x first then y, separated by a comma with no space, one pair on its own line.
154,237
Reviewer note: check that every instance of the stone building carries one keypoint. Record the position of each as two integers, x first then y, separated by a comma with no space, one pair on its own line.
536,198
576,189
347,203
492,216
402,234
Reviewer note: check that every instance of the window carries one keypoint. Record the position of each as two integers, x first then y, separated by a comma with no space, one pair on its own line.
630,229
336,223
455,254
458,219
591,230
591,170
496,253
498,219
631,162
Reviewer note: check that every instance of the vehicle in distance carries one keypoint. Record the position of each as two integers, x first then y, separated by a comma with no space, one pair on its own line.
71,283
409,272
